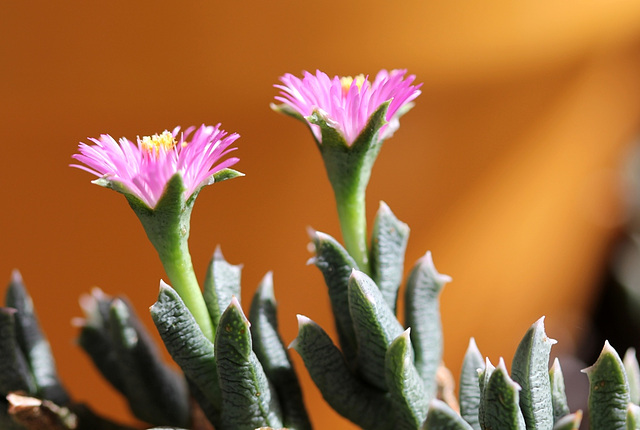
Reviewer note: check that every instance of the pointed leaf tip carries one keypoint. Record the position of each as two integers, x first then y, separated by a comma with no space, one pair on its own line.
427,259
16,277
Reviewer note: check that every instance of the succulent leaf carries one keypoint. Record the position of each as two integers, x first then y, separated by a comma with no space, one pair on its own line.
375,326
501,401
608,391
484,374
34,344
247,398
404,384
275,360
189,348
569,422
633,417
388,245
469,388
156,394
441,417
349,396
336,266
632,370
530,369
422,314
221,283
224,174
14,369
558,395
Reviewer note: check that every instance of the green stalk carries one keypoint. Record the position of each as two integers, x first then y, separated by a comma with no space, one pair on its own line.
353,223
177,263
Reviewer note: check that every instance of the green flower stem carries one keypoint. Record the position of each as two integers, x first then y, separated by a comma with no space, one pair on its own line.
177,263
353,223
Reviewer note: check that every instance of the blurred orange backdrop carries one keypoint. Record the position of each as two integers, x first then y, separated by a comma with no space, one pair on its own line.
506,169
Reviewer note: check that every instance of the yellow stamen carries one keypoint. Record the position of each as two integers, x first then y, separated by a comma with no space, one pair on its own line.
346,82
152,144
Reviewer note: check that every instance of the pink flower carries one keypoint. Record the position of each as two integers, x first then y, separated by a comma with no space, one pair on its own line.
144,168
347,103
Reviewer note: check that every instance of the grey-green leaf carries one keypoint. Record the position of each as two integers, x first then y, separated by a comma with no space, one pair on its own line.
189,348
530,369
375,326
608,391
388,245
336,265
501,401
34,343
404,384
558,395
484,374
155,392
469,388
14,370
221,283
422,314
569,422
632,370
247,399
275,360
349,396
442,417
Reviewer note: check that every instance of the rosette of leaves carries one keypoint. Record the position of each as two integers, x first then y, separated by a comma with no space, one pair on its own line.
381,376
244,379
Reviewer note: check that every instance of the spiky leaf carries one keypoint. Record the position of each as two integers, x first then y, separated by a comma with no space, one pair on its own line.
501,401
375,326
404,384
422,314
558,395
469,389
349,396
388,245
608,391
442,417
483,380
247,399
14,369
221,283
530,369
336,266
632,370
633,417
275,360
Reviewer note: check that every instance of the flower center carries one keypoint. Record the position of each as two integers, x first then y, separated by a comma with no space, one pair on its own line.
153,144
347,81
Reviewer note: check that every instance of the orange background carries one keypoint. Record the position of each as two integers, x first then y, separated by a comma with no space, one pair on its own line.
506,169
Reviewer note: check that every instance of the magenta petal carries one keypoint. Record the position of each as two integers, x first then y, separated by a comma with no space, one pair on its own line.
348,108
197,154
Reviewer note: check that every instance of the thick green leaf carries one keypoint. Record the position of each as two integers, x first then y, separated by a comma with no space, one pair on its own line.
404,384
442,417
484,374
274,358
189,348
530,369
469,388
375,326
247,399
558,395
34,344
422,314
633,417
220,285
349,396
336,266
632,370
608,391
14,370
225,174
388,245
156,393
501,401
569,422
